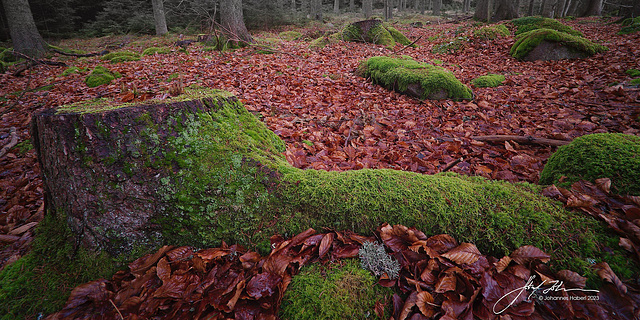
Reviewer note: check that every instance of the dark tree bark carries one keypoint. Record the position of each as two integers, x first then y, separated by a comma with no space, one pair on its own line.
593,8
158,17
388,10
505,10
24,34
635,11
546,10
232,21
559,12
530,11
315,9
482,10
367,8
437,7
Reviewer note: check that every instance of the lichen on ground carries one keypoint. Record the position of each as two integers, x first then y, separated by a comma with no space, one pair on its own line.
99,76
398,74
526,24
492,32
601,155
529,40
341,290
488,81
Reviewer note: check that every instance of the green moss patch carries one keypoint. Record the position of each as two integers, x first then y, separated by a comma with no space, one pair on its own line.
451,46
635,82
528,41
71,70
526,24
290,35
68,50
490,80
121,56
417,78
633,73
630,25
593,156
156,50
334,292
398,36
100,76
492,32
374,31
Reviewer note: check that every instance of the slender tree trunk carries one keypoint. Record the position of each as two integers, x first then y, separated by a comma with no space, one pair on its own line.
530,11
505,10
547,9
336,6
560,9
481,10
232,21
388,10
367,8
565,10
594,8
635,11
158,17
423,6
24,34
517,7
466,6
316,9
293,5
352,5
437,7
573,9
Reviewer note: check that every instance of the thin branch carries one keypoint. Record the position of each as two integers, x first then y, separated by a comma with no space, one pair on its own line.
409,45
119,313
452,164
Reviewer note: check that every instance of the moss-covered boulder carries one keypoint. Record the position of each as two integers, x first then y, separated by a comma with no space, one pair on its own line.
121,56
594,156
490,80
417,79
548,44
156,50
526,24
374,31
492,32
334,292
100,76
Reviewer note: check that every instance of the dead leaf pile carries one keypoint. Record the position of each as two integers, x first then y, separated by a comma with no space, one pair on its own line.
440,279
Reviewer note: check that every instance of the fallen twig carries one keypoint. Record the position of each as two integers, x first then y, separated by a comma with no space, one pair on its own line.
522,139
452,164
11,144
407,46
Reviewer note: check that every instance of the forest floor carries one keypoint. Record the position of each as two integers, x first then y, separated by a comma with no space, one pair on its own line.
332,119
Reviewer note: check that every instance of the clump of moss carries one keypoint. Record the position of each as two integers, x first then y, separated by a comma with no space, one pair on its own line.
633,73
398,36
68,50
71,70
155,50
290,35
378,33
490,80
492,32
635,82
593,156
452,46
7,56
121,56
322,41
529,40
398,74
334,292
630,25
99,76
526,24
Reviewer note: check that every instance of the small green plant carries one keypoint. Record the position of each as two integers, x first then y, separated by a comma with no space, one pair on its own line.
630,25
635,82
338,292
374,258
488,81
24,147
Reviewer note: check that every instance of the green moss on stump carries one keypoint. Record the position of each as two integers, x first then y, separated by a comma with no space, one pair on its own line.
526,24
490,80
337,292
121,56
402,74
528,41
155,50
290,35
492,32
99,76
593,156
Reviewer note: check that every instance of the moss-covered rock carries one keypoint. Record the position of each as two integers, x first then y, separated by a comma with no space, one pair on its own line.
156,50
529,41
526,24
418,79
71,70
398,36
121,56
593,156
374,31
490,80
290,35
492,32
335,292
99,76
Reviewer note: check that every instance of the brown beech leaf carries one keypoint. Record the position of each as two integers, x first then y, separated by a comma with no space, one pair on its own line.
572,279
441,243
325,244
465,253
408,305
605,273
604,184
446,283
142,264
502,263
425,303
263,285
526,254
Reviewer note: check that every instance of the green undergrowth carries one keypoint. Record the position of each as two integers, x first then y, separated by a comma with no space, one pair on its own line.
600,155
398,74
630,25
156,50
340,290
492,32
290,35
121,56
526,24
488,81
100,76
529,40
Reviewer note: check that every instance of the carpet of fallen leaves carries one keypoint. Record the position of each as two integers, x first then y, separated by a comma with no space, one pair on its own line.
334,120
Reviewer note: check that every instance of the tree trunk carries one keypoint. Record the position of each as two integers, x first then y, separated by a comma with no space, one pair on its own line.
24,35
594,8
158,17
437,7
466,6
232,21
316,9
293,5
388,10
336,6
481,10
559,12
352,5
530,11
573,9
547,9
505,10
367,8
